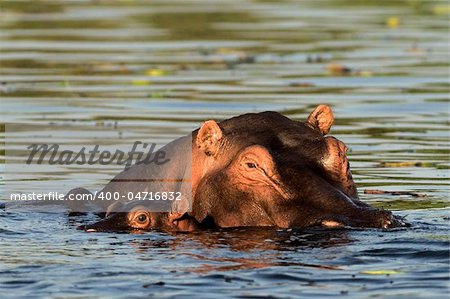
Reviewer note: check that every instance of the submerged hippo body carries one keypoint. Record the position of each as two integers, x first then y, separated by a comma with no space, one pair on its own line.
258,169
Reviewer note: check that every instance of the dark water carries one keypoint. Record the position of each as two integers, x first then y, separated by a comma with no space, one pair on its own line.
85,72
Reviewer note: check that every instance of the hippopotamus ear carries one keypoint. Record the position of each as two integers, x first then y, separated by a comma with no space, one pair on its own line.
208,137
321,119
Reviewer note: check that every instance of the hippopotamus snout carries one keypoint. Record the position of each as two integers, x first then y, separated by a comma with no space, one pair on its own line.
375,218
115,222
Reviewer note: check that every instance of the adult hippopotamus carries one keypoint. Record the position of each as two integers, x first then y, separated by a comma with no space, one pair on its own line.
256,169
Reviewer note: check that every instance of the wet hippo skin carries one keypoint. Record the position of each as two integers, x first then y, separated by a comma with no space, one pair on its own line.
257,169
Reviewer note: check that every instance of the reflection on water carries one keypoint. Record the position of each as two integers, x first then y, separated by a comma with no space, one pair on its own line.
109,73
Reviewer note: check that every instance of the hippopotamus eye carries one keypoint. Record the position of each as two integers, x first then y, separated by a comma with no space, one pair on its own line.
251,165
141,218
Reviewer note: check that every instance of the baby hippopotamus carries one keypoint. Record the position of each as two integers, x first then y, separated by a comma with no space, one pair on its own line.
136,216
256,169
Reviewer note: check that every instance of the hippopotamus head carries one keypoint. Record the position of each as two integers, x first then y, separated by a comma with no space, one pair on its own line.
265,169
135,216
